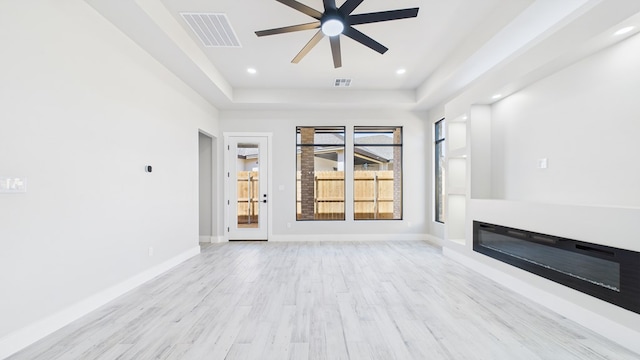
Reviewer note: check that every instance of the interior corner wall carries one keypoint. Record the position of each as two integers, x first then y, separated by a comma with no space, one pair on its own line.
82,111
282,125
584,121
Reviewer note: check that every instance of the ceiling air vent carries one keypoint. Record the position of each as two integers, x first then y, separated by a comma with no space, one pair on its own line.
342,83
213,29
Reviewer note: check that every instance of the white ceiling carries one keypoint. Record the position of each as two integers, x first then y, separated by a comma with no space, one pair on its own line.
418,44
445,48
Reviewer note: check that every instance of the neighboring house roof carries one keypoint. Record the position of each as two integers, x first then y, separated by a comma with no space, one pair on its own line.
376,153
374,139
373,154
380,153
247,153
326,138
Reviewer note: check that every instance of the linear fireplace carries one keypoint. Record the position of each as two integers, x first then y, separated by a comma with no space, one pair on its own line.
608,273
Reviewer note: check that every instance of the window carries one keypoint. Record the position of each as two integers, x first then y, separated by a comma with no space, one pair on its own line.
439,171
320,173
377,173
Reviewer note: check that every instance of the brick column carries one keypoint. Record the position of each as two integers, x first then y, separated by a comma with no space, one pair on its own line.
307,174
397,174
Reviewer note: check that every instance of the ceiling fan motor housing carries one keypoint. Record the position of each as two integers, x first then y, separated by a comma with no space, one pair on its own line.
332,23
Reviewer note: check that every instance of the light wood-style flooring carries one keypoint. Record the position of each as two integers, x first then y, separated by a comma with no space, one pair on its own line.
310,300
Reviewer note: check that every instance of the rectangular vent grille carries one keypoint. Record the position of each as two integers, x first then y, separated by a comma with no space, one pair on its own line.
342,83
213,29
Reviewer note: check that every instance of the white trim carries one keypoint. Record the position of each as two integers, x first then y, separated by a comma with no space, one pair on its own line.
226,137
351,237
206,239
18,340
433,240
218,239
593,321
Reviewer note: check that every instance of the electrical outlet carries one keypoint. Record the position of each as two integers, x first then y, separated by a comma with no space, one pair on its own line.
150,251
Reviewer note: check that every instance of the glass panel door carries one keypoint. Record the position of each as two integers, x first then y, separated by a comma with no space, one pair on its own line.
247,188
248,185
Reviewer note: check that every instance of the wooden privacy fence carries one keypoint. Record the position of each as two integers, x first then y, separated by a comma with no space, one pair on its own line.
248,197
372,193
328,195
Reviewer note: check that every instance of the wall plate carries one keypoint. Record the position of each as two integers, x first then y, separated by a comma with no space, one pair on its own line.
9,185
543,163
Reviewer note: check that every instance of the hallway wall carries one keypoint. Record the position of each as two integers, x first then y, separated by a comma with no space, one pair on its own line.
82,111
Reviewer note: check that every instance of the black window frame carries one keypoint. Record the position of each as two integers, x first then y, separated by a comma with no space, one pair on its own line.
320,130
374,129
438,176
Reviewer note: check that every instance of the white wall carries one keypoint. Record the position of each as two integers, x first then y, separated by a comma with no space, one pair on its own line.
321,164
282,124
584,120
82,110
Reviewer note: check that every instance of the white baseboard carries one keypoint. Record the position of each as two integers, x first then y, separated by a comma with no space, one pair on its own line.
593,321
18,340
433,240
212,239
350,237
218,239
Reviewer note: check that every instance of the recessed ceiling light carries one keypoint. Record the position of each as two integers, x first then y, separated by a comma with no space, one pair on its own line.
624,30
401,71
252,70
496,96
464,117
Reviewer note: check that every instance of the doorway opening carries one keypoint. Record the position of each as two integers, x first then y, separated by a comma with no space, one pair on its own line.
206,187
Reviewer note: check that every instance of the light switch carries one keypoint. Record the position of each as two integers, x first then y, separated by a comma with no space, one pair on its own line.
542,163
13,184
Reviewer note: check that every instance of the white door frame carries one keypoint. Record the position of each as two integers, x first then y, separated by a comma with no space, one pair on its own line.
227,185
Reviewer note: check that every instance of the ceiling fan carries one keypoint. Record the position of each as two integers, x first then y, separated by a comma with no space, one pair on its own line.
335,21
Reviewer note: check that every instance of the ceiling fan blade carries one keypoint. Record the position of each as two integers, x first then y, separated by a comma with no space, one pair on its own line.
382,16
302,8
288,29
329,5
364,40
349,6
305,50
335,51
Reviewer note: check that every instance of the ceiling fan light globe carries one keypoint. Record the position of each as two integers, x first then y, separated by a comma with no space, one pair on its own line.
332,27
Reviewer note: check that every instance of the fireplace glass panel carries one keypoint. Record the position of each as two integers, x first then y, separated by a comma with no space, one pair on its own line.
597,271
